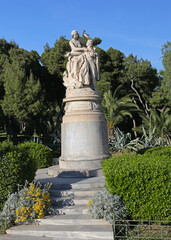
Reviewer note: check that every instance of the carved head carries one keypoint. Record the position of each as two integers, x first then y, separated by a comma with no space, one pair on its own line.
75,34
89,43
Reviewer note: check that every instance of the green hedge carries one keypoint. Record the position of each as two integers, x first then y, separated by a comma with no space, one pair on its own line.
160,150
5,147
15,167
41,154
19,163
143,182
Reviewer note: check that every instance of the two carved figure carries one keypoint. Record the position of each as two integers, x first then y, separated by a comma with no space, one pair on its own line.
83,63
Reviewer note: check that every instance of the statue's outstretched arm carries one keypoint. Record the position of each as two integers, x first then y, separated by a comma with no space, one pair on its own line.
74,48
86,35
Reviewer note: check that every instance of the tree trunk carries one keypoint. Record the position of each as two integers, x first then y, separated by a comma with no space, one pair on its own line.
134,126
11,129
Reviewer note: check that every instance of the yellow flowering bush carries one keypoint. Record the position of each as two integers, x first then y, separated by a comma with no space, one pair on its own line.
89,203
34,202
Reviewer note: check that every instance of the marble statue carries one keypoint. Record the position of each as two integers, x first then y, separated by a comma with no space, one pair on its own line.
84,140
83,64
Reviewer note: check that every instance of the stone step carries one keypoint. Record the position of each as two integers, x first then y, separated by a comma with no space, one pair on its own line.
56,171
75,186
72,210
81,201
78,186
73,183
22,237
60,202
71,192
70,201
61,232
71,220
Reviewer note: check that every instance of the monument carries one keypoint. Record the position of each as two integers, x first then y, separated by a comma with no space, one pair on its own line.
84,139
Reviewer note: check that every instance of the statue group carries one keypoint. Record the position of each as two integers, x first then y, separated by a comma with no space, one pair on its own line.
83,64
84,142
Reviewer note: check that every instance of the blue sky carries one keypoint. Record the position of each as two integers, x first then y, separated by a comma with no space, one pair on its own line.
140,27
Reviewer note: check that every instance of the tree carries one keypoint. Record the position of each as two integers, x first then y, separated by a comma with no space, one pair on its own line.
117,60
115,108
163,123
4,56
111,66
23,99
158,123
2,119
23,96
145,78
161,97
166,51
55,62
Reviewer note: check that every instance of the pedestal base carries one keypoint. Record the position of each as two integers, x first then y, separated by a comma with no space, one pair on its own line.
84,134
84,145
56,171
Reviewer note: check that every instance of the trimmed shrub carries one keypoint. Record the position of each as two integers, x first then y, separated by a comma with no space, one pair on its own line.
5,147
143,182
41,154
160,150
19,163
15,167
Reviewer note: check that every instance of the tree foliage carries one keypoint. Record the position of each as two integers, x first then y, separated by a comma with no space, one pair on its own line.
140,71
116,108
22,99
158,122
54,60
31,87
161,97
166,51
111,66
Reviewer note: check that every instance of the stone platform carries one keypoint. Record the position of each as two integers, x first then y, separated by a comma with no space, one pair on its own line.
84,132
61,172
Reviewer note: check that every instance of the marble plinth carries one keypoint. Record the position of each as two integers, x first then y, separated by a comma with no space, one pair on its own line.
84,134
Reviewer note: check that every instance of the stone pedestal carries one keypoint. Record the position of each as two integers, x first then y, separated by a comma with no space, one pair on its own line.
84,133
